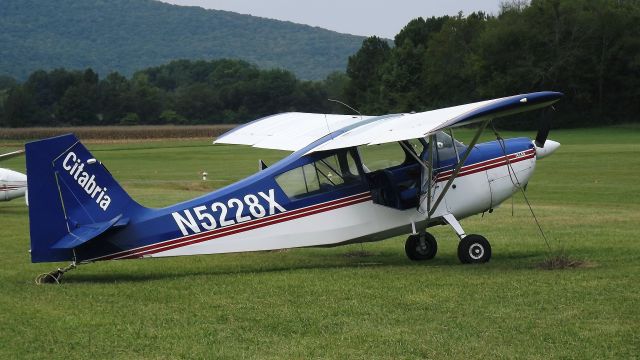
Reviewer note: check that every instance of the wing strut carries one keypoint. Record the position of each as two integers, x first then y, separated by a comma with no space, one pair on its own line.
432,138
427,165
454,175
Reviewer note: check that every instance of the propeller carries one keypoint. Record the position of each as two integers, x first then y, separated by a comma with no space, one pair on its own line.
544,127
541,137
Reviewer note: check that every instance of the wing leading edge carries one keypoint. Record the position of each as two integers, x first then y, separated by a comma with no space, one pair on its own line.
294,131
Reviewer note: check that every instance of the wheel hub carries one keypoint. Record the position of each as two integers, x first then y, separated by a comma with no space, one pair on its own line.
476,251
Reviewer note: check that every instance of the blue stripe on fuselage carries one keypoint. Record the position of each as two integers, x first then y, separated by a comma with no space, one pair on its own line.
489,150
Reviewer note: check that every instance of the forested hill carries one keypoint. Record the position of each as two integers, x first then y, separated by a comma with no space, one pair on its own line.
129,35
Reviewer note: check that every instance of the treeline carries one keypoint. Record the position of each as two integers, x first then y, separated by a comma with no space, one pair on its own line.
587,49
181,92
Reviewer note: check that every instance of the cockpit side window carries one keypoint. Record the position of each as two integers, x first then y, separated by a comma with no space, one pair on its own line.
383,156
416,145
324,174
448,150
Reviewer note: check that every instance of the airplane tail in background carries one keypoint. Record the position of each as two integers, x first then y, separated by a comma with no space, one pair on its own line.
72,198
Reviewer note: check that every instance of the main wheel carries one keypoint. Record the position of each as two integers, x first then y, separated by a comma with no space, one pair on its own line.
474,249
418,250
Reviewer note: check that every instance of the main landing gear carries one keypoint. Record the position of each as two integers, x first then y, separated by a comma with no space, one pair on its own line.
472,248
421,246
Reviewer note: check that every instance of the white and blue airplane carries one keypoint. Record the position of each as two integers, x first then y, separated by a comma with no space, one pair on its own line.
13,184
349,179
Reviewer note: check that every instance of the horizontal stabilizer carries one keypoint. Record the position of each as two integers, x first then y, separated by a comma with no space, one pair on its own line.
84,233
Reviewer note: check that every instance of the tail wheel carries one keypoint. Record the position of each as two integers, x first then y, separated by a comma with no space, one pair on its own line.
474,249
418,249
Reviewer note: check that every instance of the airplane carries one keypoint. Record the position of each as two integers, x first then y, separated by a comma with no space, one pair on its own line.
348,179
12,183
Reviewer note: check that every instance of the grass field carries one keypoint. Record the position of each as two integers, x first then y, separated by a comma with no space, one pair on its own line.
323,303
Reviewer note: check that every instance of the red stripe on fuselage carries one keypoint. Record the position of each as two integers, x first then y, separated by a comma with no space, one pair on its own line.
486,165
244,226
10,188
243,229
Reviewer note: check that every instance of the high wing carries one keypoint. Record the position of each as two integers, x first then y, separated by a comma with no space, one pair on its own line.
411,126
11,154
289,131
295,131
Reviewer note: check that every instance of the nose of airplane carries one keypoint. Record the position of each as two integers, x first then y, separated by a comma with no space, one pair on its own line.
549,147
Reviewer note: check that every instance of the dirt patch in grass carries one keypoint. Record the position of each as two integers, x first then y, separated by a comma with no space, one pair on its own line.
563,261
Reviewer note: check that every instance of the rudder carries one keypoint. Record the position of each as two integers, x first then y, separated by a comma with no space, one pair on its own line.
68,189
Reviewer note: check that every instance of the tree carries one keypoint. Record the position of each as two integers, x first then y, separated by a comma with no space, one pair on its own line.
172,117
7,82
404,76
147,101
20,108
335,86
130,119
199,103
115,98
588,49
448,73
80,103
365,72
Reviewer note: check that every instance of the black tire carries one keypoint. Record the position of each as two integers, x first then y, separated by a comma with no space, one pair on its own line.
416,252
474,249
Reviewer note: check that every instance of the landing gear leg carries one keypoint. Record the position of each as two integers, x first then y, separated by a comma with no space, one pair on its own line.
472,249
455,225
55,276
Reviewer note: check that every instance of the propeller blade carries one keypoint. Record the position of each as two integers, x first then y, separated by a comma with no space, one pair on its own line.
545,126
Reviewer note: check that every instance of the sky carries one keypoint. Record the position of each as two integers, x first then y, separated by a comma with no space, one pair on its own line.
383,18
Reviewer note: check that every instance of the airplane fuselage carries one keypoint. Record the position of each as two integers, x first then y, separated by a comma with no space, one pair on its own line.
257,214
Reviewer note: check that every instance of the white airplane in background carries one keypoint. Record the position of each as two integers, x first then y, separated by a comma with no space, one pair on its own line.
12,183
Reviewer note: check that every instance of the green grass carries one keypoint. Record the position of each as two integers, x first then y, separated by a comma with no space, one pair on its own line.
319,303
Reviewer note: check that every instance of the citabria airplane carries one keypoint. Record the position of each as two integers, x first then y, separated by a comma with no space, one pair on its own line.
332,190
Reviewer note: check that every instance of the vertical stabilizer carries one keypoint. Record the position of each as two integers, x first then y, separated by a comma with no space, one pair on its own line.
69,190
